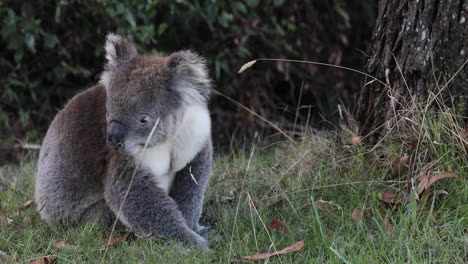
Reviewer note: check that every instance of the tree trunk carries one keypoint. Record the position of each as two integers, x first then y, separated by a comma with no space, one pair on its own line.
419,48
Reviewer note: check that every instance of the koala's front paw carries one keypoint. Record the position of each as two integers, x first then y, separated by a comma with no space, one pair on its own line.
203,231
201,243
193,239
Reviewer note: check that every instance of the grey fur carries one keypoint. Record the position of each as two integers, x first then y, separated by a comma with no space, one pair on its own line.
189,196
80,178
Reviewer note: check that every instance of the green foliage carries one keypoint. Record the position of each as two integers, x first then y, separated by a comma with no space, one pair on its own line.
52,49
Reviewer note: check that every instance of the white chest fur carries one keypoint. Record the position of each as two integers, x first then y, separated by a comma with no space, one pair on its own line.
169,157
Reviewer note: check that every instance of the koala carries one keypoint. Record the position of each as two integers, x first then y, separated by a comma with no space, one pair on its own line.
136,148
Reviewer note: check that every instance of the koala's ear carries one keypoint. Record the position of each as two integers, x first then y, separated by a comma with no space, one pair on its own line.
118,51
190,75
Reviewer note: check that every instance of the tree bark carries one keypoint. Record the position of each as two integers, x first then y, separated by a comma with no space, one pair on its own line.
419,48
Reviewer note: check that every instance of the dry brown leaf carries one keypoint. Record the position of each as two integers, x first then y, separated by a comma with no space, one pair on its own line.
279,226
426,182
423,181
293,247
440,176
60,244
26,220
388,197
28,203
115,239
43,260
399,165
6,219
355,140
357,214
386,223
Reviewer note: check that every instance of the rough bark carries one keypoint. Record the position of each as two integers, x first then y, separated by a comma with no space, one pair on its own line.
416,48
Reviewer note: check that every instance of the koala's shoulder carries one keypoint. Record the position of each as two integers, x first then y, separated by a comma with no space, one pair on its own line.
89,104
82,121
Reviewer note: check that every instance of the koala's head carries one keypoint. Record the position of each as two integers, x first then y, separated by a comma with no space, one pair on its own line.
148,91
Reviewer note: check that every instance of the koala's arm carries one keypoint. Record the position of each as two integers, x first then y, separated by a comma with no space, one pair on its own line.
189,194
147,209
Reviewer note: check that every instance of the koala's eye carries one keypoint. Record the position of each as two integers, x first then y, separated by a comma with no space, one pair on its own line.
144,120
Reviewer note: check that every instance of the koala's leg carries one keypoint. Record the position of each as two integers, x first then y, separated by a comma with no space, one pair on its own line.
147,209
102,215
66,201
189,186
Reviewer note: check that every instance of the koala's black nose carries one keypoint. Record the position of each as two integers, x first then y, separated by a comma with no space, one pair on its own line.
116,134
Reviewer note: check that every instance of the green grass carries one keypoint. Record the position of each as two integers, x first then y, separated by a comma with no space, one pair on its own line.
312,185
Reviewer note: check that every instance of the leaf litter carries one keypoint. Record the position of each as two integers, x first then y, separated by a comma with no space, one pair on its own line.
43,260
279,226
292,248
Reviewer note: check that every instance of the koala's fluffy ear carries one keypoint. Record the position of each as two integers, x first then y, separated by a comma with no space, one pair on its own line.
190,76
118,51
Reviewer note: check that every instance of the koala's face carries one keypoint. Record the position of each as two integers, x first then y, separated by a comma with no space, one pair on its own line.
145,94
139,98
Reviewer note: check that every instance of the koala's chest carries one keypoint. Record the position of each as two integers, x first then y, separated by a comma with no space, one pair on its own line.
158,160
166,159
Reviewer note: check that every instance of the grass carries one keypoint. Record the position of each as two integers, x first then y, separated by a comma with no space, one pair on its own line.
326,190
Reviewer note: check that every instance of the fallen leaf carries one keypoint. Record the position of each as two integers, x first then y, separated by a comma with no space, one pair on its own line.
26,220
355,140
437,177
357,214
423,182
427,181
28,203
43,260
6,219
388,197
279,226
60,244
115,239
293,247
386,223
399,165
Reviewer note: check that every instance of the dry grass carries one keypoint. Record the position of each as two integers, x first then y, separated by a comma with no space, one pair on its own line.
326,186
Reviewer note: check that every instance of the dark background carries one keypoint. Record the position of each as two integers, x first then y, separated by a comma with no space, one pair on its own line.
50,50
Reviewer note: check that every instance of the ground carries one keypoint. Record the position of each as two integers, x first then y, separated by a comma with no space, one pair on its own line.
329,188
